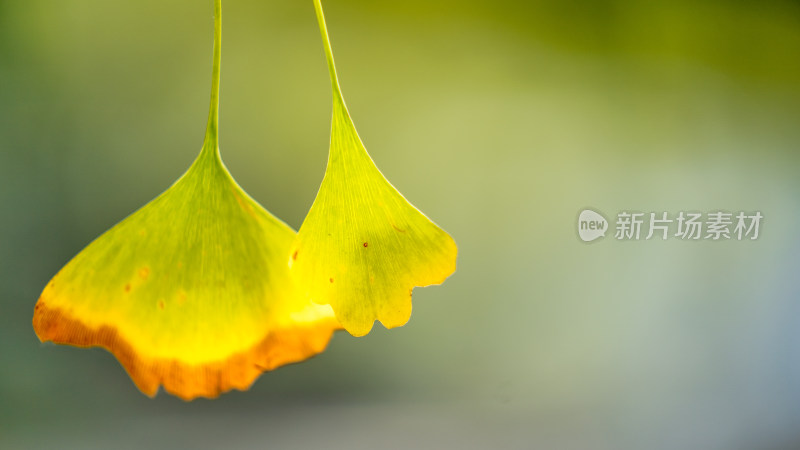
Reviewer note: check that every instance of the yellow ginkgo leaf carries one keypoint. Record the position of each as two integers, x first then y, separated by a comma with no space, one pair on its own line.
192,291
363,247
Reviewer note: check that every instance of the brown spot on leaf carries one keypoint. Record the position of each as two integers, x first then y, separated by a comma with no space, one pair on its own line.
161,304
127,287
366,244
144,272
294,256
331,280
244,204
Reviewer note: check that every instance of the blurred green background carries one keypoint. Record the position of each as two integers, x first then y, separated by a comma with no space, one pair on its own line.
500,120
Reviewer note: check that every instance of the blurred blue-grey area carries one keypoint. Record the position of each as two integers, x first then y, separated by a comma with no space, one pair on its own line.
500,120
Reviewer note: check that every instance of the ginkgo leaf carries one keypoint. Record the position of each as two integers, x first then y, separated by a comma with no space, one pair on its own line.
363,247
192,291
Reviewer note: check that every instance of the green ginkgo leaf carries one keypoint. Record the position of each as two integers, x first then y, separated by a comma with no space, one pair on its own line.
192,291
363,247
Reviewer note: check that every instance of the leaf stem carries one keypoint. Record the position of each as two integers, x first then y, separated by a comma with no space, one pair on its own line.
323,29
211,144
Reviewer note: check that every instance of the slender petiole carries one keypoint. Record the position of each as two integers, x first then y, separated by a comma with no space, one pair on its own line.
211,143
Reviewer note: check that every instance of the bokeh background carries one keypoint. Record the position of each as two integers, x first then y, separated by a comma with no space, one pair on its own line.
499,119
